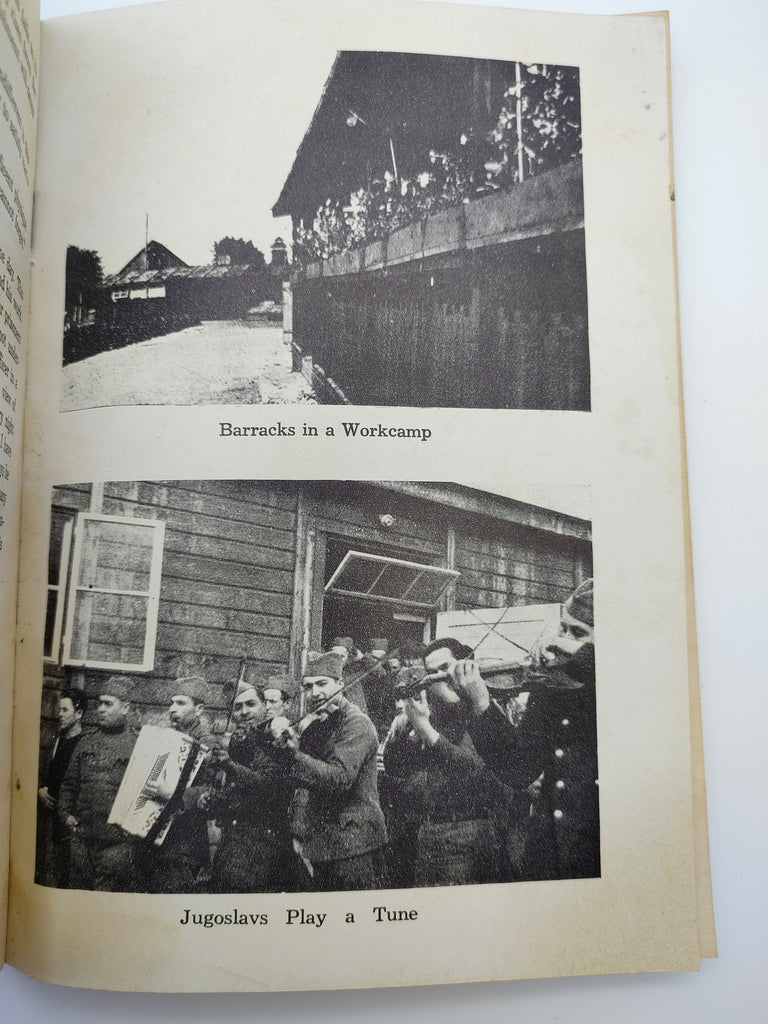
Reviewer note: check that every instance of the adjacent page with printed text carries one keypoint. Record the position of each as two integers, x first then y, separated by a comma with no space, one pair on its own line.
19,72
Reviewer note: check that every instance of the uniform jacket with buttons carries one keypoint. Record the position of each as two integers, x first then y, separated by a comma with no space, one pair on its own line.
444,782
557,737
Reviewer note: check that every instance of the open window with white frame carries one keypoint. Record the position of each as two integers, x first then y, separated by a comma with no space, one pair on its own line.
369,593
59,551
103,591
391,580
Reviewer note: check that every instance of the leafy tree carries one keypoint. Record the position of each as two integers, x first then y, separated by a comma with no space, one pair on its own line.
84,278
240,253
538,127
547,97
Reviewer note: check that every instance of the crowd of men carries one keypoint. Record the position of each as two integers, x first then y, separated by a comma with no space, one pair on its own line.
386,769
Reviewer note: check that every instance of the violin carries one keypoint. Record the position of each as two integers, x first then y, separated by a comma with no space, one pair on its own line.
502,675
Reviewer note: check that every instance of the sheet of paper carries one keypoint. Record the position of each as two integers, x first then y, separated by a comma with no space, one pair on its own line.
625,454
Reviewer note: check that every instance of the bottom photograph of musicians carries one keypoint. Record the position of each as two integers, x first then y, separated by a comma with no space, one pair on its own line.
297,686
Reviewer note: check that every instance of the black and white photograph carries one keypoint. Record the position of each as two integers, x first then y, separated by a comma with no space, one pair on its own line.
279,686
305,718
400,229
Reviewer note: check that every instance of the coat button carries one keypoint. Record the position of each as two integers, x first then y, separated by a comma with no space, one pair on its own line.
557,814
559,752
559,784
566,721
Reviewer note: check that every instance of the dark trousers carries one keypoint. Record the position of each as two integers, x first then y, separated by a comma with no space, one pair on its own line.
254,859
365,871
179,863
168,873
105,868
53,852
458,853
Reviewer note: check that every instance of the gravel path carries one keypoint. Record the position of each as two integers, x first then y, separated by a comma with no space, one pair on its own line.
219,361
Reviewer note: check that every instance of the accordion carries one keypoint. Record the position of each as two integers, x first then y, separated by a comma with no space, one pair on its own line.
160,753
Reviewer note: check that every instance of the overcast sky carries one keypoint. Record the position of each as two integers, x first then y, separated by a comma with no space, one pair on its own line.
178,159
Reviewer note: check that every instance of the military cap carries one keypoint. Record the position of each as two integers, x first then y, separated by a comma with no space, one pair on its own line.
345,641
121,687
329,665
191,686
580,604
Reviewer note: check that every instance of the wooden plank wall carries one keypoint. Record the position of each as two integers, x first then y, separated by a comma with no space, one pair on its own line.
229,561
503,327
518,568
72,496
352,510
227,574
349,514
500,563
227,579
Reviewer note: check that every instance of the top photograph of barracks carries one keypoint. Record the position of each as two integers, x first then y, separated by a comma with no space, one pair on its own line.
437,258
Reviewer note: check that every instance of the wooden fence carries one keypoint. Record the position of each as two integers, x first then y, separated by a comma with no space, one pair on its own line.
483,305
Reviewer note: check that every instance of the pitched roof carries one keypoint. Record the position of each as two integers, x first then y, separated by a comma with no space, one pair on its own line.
155,264
375,102
154,256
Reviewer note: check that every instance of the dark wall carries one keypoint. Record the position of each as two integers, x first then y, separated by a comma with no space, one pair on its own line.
502,327
523,567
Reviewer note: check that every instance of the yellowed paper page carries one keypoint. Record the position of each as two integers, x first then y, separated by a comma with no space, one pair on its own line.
19,33
608,468
706,913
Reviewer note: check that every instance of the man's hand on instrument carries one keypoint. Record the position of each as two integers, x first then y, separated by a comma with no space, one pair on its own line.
417,709
417,713
159,789
553,651
400,724
470,685
284,734
205,799
219,758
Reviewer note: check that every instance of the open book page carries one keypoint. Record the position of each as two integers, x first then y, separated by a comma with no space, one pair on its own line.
19,33
497,309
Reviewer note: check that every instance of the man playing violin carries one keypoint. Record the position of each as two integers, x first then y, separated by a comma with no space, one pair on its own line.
331,757
255,853
447,811
556,739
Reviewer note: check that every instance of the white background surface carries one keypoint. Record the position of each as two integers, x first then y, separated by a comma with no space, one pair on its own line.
719,98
